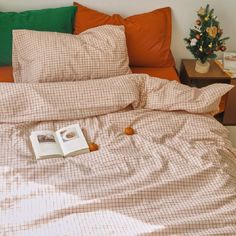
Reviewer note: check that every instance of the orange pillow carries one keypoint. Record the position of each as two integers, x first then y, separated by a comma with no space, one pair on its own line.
6,74
148,35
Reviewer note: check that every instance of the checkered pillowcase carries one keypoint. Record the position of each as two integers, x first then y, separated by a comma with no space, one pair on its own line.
99,52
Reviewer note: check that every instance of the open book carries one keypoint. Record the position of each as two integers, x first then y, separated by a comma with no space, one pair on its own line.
230,73
68,141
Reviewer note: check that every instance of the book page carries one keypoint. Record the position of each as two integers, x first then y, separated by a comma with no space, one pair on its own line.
71,140
230,61
230,73
45,144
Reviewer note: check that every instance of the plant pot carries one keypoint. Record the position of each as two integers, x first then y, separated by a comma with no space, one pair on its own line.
202,67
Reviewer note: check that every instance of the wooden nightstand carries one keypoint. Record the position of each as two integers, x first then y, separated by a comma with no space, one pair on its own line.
189,76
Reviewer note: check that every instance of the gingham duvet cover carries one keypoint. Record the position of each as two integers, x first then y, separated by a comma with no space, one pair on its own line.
175,176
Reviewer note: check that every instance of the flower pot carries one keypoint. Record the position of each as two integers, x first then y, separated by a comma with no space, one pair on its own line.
202,67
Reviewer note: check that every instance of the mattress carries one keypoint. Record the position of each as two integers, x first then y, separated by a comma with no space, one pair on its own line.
175,176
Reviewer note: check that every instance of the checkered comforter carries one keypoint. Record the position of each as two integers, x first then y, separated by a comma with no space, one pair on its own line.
175,176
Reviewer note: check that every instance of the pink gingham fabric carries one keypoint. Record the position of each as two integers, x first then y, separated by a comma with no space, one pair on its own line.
99,52
173,96
175,176
22,102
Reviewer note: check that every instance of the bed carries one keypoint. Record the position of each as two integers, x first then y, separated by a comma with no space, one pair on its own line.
176,175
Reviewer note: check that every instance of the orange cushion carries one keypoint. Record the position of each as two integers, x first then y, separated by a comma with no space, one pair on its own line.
6,74
164,73
148,35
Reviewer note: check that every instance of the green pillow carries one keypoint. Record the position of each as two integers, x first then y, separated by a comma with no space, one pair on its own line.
54,19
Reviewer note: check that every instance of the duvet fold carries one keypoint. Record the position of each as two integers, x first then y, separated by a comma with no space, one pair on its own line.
22,102
66,100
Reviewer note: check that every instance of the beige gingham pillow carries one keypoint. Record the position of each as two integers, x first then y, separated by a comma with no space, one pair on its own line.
99,52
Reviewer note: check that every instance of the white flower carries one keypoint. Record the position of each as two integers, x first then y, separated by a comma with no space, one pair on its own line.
197,28
193,42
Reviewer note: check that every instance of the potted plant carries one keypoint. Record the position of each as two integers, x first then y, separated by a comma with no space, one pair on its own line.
205,39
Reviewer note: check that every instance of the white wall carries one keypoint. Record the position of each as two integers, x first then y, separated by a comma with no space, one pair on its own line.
184,14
